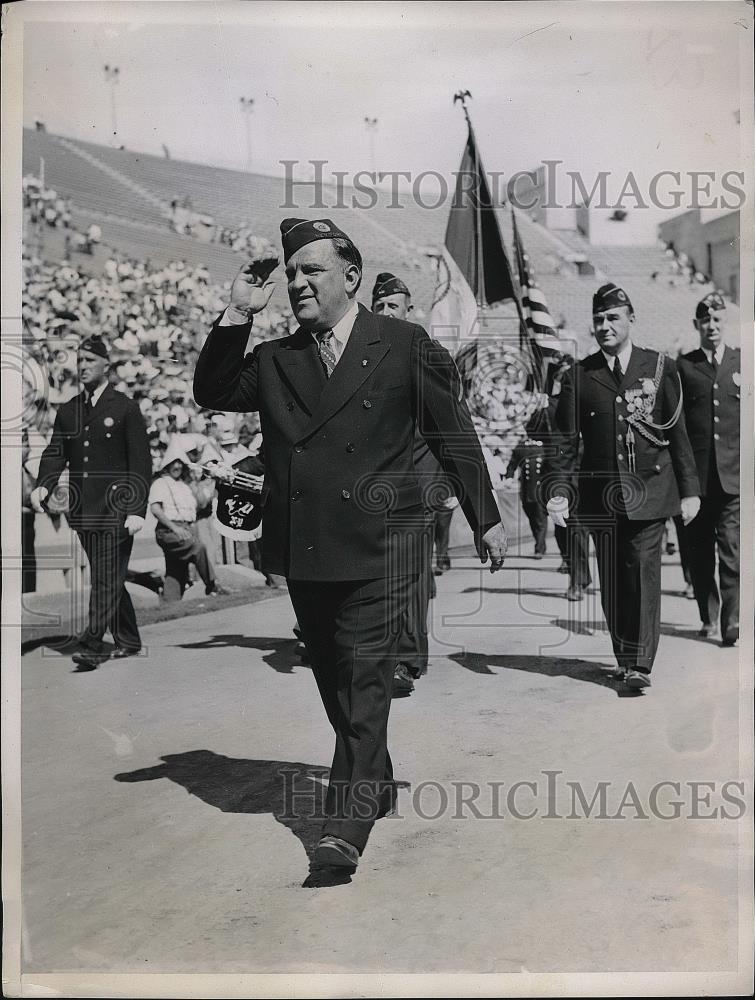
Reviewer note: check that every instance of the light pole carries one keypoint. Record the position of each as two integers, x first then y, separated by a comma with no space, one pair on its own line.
112,74
247,108
371,125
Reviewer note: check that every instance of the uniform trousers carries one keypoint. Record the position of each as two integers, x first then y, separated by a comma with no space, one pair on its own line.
629,566
538,518
351,629
110,607
574,544
716,527
413,647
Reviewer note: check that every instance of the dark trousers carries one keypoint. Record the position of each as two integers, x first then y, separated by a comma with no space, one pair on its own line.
442,533
110,606
685,555
351,630
716,527
538,518
179,554
629,565
28,556
574,545
413,647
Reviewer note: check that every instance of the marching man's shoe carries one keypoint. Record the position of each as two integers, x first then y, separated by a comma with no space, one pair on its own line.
576,593
88,659
731,636
708,631
122,652
333,852
637,680
403,682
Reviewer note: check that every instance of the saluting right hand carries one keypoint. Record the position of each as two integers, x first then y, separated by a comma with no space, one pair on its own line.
249,292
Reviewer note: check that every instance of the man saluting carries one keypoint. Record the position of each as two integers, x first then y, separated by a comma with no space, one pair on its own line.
338,403
625,402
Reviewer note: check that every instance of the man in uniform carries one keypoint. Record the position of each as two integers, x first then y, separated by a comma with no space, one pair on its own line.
101,437
338,403
391,297
711,379
625,403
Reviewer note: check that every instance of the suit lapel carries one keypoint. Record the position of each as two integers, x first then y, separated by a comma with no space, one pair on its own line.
300,366
363,353
601,372
727,363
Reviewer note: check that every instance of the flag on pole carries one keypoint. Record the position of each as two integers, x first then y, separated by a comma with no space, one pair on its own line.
537,315
473,236
473,268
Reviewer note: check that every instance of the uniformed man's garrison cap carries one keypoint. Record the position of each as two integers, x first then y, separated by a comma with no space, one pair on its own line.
388,284
711,302
609,297
296,233
95,345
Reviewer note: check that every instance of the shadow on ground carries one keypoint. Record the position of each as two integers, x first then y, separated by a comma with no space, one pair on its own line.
280,654
602,674
290,791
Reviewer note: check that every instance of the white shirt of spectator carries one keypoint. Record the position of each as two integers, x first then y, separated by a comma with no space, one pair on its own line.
179,503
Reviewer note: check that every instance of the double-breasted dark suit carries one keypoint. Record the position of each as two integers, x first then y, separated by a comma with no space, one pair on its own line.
109,466
343,509
625,490
711,407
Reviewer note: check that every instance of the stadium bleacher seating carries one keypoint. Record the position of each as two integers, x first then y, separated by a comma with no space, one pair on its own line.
126,193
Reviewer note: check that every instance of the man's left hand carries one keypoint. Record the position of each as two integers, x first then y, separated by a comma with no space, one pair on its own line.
690,509
134,523
496,543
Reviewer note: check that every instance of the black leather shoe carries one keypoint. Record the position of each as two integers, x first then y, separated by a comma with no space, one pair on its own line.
403,682
88,659
731,636
708,631
575,594
637,680
332,852
564,567
122,652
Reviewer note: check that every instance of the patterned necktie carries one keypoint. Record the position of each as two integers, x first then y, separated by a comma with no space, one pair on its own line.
326,352
618,374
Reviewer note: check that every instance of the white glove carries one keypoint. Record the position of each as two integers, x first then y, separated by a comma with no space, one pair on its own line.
690,508
558,510
38,497
134,523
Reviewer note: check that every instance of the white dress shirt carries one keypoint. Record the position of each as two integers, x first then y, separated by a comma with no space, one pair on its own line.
342,330
624,355
95,396
719,353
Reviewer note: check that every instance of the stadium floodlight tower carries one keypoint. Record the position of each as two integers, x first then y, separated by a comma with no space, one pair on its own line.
247,108
112,75
371,124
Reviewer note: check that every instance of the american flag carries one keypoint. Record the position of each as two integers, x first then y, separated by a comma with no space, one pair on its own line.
538,318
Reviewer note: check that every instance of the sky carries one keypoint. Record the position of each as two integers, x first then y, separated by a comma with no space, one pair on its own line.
601,86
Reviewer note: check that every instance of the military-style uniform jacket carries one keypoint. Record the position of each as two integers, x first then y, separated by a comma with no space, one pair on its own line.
654,470
711,408
341,488
529,458
108,458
